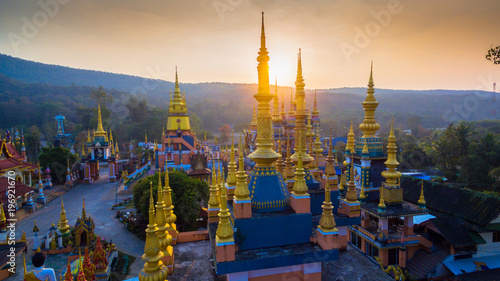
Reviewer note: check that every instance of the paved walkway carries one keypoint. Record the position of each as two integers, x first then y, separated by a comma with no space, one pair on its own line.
99,198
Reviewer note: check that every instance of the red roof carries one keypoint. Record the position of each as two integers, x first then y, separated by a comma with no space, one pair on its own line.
20,188
9,164
12,150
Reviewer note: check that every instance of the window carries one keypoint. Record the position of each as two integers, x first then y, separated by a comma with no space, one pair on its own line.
356,240
496,236
371,250
393,256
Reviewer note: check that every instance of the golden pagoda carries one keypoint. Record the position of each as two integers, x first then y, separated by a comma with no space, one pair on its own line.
164,238
177,115
267,192
153,270
169,210
214,200
276,114
288,175
369,125
62,225
327,221
300,115
393,194
231,171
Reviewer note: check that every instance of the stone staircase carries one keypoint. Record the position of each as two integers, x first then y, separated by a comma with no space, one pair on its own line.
422,263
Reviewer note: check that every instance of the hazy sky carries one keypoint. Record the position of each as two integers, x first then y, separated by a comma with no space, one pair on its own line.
424,44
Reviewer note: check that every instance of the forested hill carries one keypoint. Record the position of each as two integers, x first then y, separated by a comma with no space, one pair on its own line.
34,72
33,93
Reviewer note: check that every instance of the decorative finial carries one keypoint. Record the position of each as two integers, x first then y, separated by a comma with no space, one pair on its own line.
299,186
421,200
381,205
391,174
241,192
327,221
369,125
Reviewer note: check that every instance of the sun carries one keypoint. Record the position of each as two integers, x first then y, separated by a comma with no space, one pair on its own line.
283,68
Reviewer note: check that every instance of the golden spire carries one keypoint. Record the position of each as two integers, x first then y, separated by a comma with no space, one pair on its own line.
282,112
299,186
342,182
241,192
100,131
83,150
362,195
276,103
84,212
153,270
63,222
279,163
289,173
110,136
264,155
351,195
369,125
254,118
145,138
317,148
177,99
365,152
381,204
315,111
421,200
162,234
224,231
24,265
220,182
350,140
391,174
116,148
231,167
213,201
291,110
169,207
88,136
81,275
330,167
300,114
327,221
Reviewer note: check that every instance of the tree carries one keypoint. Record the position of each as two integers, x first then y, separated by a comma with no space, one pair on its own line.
225,134
101,96
137,109
57,160
188,194
493,55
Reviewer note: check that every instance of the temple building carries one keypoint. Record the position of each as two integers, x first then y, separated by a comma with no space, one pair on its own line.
100,148
178,142
14,165
267,232
386,232
368,169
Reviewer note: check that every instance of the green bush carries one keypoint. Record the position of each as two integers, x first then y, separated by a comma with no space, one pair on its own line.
188,194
